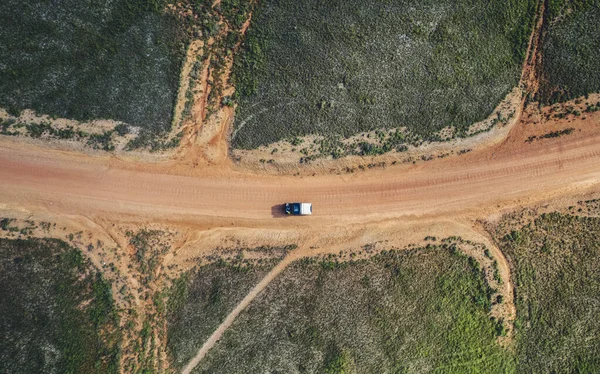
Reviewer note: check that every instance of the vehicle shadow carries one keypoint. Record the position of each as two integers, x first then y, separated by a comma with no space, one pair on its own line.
278,211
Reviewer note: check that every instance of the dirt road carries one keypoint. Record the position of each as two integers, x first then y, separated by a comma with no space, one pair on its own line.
510,174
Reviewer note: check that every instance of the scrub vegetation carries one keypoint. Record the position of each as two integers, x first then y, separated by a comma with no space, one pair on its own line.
571,50
200,300
555,264
338,68
58,313
420,310
86,60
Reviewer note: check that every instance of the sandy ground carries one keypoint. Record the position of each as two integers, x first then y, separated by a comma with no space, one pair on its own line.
209,200
399,204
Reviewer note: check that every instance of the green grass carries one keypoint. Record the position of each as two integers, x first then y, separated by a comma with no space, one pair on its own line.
85,59
557,284
571,50
420,310
337,68
58,314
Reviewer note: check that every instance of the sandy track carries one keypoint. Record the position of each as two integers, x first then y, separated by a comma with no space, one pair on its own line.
510,174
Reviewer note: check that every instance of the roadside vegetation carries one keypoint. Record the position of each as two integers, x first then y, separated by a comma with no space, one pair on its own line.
429,309
555,264
58,313
435,308
339,68
571,50
423,310
550,135
103,140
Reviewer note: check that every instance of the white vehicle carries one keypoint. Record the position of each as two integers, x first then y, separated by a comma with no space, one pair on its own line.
298,209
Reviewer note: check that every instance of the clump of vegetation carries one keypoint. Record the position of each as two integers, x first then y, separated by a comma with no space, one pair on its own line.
338,68
58,313
87,60
45,130
555,263
586,207
571,50
591,108
102,141
149,248
231,15
400,311
550,135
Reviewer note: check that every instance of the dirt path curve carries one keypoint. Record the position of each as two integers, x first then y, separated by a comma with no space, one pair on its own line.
507,310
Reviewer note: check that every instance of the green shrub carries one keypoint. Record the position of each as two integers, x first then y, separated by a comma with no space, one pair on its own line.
88,60
556,294
571,50
402,311
199,300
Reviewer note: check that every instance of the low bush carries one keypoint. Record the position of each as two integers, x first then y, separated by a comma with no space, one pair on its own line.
556,272
401,311
198,302
88,60
571,51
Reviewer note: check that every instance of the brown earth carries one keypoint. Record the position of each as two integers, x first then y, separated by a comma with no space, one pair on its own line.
401,204
210,201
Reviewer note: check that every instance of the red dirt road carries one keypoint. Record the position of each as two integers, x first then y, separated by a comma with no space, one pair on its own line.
478,183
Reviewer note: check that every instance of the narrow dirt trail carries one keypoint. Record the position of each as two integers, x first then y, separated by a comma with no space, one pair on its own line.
356,237
507,310
504,269
260,286
456,188
533,55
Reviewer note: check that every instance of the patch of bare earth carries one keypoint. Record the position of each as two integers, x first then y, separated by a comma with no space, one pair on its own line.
208,128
